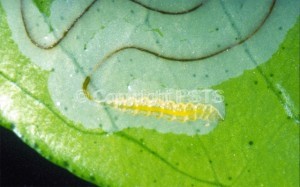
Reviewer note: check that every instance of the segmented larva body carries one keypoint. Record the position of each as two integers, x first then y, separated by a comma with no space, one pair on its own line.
167,109
160,108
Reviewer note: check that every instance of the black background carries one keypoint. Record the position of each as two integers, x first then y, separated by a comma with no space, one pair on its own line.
20,165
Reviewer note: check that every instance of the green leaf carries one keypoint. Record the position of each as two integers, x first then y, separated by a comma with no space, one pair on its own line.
256,145
44,6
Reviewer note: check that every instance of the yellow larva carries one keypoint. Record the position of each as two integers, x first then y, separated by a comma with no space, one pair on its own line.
167,109
161,108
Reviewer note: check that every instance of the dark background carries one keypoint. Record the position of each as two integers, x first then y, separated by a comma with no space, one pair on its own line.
20,165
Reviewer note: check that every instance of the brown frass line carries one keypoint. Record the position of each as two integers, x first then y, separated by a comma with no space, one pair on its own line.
87,80
65,32
169,12
170,58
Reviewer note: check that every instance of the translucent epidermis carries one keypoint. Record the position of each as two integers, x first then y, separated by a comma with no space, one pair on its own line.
57,24
90,48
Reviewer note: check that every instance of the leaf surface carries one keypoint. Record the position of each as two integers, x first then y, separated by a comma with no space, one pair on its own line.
256,144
